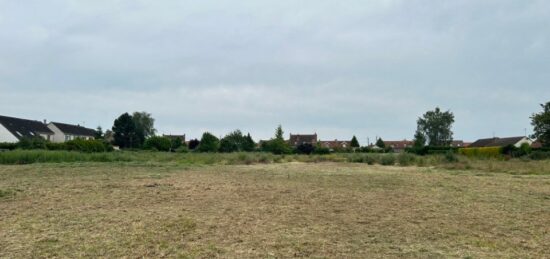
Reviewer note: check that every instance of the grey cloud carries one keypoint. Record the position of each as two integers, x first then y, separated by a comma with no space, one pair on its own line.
337,67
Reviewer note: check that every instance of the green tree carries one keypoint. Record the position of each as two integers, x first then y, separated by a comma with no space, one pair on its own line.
277,145
436,126
279,133
124,132
98,133
208,143
193,144
541,125
233,142
380,143
354,142
249,145
419,139
145,125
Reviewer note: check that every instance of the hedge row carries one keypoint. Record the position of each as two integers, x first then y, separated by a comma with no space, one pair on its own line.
486,152
82,145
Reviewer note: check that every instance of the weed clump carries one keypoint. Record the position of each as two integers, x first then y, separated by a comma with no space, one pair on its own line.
388,159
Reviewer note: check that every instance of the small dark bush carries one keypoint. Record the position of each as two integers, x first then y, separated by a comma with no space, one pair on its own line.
158,143
450,157
539,155
182,149
387,159
193,144
369,159
32,143
405,159
56,146
305,148
88,146
8,146
321,151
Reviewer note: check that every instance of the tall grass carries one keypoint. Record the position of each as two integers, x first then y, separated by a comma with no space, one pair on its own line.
42,156
149,157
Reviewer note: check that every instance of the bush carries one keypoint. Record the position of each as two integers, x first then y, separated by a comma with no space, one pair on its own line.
44,156
32,143
482,152
193,144
370,159
208,143
182,149
430,150
305,148
388,159
405,159
276,146
158,143
56,146
539,155
321,150
8,146
450,157
88,146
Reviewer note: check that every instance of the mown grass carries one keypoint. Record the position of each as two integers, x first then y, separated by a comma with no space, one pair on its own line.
277,210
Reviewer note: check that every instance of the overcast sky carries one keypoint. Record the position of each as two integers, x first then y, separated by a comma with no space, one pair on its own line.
338,68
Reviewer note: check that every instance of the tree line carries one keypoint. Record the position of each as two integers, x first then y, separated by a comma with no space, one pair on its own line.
434,129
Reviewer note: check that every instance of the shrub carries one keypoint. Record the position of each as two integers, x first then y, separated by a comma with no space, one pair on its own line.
88,146
56,146
182,149
208,143
276,146
355,158
305,148
370,159
388,159
405,159
482,152
450,157
321,150
539,155
193,144
158,143
8,146
32,143
513,151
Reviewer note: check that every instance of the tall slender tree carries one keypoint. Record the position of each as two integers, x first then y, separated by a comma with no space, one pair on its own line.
354,142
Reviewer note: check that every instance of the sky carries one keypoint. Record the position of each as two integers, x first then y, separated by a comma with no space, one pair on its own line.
336,68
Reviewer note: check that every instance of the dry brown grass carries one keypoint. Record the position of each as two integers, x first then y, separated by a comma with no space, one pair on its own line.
326,210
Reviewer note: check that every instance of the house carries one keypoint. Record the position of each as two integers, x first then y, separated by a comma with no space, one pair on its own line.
536,144
501,142
299,139
65,132
399,146
14,129
180,138
335,144
459,143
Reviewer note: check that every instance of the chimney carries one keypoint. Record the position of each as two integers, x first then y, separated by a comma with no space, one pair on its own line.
45,122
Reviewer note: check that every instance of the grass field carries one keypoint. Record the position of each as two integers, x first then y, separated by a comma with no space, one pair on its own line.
323,210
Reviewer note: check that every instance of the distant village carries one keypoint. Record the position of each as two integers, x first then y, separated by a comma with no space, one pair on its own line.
12,130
